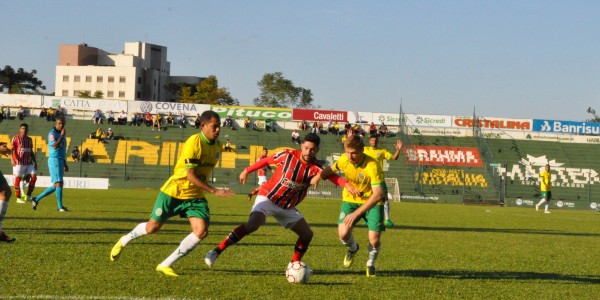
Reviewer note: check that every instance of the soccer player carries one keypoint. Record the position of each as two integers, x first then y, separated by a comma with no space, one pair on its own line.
381,154
57,164
5,194
545,183
183,193
23,162
280,196
262,174
363,172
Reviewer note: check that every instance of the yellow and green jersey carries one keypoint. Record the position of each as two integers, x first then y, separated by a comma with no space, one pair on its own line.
198,154
379,154
545,181
363,176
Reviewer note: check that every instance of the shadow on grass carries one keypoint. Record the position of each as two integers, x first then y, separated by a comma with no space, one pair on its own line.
498,230
478,275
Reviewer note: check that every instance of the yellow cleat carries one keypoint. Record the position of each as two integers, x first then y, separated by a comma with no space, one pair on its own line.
371,271
116,251
166,270
349,256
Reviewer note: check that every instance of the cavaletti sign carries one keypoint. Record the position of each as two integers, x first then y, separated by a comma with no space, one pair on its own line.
319,115
256,113
494,123
443,156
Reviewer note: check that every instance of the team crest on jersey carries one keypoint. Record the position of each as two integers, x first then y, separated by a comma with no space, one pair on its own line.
342,215
158,211
361,176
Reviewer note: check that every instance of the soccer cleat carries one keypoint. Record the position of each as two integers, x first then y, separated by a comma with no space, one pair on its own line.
249,197
34,203
63,209
371,271
20,200
537,208
389,223
166,270
211,258
546,212
5,238
116,251
348,257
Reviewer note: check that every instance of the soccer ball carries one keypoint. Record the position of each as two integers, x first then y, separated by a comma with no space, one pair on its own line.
297,272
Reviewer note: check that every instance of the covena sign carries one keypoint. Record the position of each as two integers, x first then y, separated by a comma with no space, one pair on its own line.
189,109
566,127
444,156
319,115
260,113
494,123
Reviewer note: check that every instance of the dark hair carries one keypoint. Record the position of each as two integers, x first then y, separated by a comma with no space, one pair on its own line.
24,124
313,138
209,114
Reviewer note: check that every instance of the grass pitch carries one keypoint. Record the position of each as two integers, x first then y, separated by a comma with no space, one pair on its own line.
434,252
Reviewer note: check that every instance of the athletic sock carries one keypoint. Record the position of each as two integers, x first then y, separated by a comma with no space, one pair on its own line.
49,190
138,231
59,191
234,236
3,209
373,253
187,245
541,201
31,185
350,243
18,187
546,207
386,209
299,249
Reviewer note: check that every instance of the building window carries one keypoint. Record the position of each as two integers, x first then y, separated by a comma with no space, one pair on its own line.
76,79
121,94
110,94
65,78
99,79
122,79
139,80
139,95
88,78
76,93
65,93
111,79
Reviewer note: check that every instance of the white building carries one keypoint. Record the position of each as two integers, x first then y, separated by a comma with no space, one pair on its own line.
139,73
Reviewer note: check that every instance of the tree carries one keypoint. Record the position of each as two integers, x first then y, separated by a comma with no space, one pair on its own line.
176,89
84,94
277,91
19,82
98,95
592,112
206,92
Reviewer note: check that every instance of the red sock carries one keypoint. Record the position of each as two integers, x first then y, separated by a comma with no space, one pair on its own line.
31,185
234,236
299,249
18,186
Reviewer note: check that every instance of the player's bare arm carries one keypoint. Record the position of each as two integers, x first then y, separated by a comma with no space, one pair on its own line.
193,178
372,201
398,146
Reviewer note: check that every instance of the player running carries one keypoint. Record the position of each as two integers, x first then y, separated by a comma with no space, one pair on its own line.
381,154
280,196
363,172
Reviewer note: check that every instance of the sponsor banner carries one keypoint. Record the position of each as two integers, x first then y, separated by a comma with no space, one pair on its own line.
153,107
69,182
589,128
85,104
443,156
452,177
257,113
528,170
493,123
319,115
16,100
394,119
440,131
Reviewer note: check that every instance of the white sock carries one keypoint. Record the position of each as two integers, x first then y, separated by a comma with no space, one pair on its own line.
3,209
350,243
546,207
541,201
386,209
187,245
138,231
373,253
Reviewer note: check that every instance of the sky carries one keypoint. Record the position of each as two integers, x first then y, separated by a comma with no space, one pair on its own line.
512,59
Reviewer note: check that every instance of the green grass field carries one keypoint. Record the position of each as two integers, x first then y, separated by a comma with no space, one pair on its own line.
434,252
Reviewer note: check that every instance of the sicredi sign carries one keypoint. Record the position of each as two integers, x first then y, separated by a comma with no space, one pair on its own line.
188,109
319,115
257,113
566,127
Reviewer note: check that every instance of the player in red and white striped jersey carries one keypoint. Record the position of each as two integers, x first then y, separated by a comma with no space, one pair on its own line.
281,194
23,162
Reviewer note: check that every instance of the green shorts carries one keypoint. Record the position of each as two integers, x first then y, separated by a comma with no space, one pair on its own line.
166,206
373,216
547,195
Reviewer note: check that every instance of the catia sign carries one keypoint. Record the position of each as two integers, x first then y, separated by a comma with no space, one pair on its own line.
443,156
494,123
319,115
566,127
258,113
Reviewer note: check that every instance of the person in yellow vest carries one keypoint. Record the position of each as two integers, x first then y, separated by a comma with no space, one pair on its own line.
545,183
381,154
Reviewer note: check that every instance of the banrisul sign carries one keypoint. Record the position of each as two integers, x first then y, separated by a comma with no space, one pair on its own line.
566,127
255,113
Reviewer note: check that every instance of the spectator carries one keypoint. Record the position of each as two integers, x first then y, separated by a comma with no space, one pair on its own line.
110,135
43,113
197,121
303,125
372,129
59,112
97,117
169,119
248,123
314,128
21,113
122,118
156,122
75,155
336,128
110,118
321,129
87,156
330,127
181,120
228,147
50,115
383,130
228,123
347,127
6,112
137,119
295,137
99,135
269,126
148,119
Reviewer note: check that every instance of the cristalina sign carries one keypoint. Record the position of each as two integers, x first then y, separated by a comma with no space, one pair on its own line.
255,113
444,156
494,123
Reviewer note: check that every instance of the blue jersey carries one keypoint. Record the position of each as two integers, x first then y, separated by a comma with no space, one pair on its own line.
61,150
